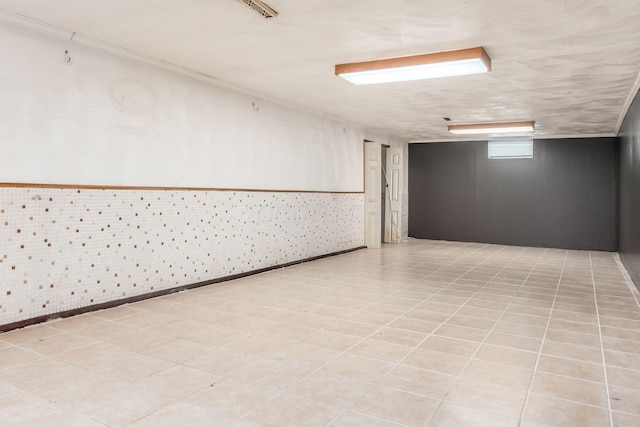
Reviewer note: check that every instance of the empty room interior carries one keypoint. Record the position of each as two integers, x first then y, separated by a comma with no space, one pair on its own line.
319,213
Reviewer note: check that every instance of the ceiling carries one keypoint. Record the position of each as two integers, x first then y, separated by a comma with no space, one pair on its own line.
570,65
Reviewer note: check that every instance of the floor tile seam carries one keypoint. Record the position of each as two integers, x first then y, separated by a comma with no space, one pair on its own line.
532,268
542,342
602,353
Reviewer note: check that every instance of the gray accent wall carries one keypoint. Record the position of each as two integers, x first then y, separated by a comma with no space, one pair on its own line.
565,197
629,193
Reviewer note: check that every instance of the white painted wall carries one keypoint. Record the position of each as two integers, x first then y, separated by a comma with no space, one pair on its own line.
108,119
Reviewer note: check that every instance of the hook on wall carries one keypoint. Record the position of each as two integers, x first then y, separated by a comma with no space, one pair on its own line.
67,57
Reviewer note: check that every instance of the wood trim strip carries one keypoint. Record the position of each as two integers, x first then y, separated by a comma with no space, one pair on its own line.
408,61
151,188
111,304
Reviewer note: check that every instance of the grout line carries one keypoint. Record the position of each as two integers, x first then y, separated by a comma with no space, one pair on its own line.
604,363
535,368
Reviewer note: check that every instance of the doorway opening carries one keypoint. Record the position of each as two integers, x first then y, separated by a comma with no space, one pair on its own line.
382,192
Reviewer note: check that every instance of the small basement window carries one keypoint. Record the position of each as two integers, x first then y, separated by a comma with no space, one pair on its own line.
511,149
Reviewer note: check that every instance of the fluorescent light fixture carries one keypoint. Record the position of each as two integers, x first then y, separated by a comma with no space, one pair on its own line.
482,128
427,66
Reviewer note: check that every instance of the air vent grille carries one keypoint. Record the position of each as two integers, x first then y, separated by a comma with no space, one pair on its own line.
261,8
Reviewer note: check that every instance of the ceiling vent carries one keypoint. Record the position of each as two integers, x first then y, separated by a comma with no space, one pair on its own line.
261,8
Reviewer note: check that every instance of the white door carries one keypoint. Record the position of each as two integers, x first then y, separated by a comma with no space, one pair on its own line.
372,194
393,208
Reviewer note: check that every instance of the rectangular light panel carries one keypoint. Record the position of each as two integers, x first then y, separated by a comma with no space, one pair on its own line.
488,128
432,65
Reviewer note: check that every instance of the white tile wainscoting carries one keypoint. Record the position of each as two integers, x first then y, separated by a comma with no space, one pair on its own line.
62,249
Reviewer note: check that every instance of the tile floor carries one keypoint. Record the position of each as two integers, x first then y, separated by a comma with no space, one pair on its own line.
420,334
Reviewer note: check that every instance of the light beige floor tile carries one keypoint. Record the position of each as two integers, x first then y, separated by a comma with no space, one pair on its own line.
471,322
372,318
427,315
12,356
215,336
352,419
459,332
436,361
331,340
133,367
625,400
30,333
620,333
450,345
292,410
274,372
381,350
621,359
499,374
178,381
178,350
105,330
487,397
452,415
414,325
480,313
561,335
132,403
7,389
419,381
76,322
621,377
65,419
580,391
514,341
357,367
571,351
180,414
520,329
225,362
140,340
309,356
332,389
623,420
399,336
626,346
263,344
93,355
57,343
507,356
578,327
232,398
119,312
361,330
544,410
396,406
22,408
571,368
